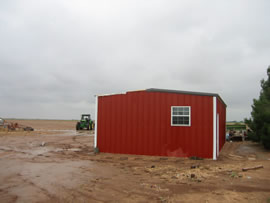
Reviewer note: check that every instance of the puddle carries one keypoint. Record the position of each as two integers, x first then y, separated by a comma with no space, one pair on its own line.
74,149
58,150
33,152
254,152
67,132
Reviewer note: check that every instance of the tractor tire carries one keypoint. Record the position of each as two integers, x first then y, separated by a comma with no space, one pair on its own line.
90,126
78,126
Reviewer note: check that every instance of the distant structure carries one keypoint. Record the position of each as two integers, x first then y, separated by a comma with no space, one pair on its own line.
233,125
161,122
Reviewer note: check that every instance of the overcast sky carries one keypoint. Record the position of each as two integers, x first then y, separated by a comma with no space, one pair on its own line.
55,55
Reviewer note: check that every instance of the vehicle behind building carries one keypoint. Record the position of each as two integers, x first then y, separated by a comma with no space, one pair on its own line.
85,123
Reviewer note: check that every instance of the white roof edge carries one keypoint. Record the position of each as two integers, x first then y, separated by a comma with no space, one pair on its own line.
110,94
100,95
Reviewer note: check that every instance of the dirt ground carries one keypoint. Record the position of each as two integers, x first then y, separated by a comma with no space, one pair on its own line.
55,163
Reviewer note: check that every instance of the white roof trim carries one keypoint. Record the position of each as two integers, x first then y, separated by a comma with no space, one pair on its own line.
110,94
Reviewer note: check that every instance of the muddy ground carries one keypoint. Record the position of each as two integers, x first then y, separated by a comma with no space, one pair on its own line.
55,163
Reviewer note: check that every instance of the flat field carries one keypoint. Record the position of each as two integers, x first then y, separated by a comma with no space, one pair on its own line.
55,163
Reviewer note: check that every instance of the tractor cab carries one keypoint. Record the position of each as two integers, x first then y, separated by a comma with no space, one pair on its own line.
86,117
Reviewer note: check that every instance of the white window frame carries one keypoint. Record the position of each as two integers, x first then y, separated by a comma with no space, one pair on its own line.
180,116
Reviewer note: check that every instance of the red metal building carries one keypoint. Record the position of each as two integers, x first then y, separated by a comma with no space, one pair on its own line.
161,122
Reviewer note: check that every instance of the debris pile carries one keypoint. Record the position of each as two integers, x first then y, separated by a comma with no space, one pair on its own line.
9,126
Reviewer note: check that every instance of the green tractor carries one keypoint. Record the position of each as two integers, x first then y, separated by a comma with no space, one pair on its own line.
85,123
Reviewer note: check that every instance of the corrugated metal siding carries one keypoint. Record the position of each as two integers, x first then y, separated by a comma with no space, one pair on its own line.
140,123
221,110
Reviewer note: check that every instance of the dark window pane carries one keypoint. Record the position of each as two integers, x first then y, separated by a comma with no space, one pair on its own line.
186,118
186,122
179,120
186,109
174,120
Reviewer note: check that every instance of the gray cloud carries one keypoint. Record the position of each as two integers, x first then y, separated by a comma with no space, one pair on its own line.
56,55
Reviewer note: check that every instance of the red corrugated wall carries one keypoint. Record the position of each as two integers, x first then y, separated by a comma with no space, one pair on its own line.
140,123
221,110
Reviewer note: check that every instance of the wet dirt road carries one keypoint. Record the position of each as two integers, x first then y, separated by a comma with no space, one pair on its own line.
57,164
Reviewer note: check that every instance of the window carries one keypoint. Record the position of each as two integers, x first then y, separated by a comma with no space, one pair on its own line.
180,116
